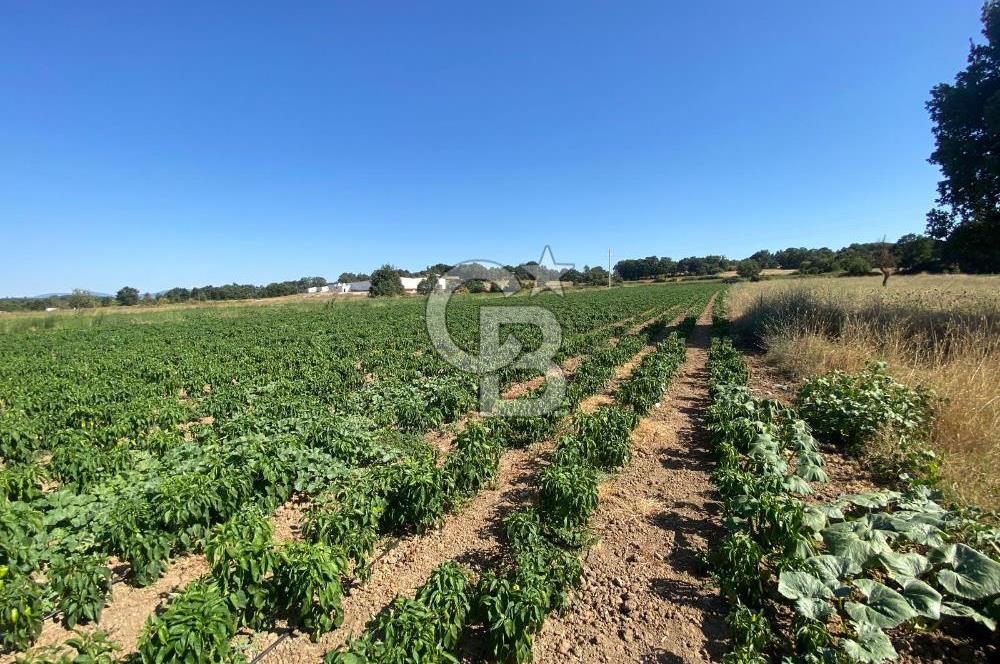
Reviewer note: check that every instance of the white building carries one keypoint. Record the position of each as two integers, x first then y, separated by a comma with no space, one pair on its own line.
318,289
359,287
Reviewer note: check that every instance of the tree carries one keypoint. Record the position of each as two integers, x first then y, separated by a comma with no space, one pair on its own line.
348,277
884,260
917,252
476,286
385,282
127,296
748,269
855,265
81,299
495,287
966,118
427,284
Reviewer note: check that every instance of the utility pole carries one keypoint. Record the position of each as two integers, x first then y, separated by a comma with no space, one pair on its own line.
609,269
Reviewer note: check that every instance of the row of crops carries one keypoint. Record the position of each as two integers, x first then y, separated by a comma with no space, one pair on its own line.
505,607
127,446
812,580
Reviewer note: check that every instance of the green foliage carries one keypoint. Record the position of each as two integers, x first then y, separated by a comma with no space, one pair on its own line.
964,127
385,282
21,609
83,585
417,499
195,626
127,296
567,495
749,269
241,556
423,629
307,584
854,409
87,648
350,517
473,462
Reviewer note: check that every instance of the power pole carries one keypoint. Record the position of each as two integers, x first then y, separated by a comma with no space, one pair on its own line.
609,269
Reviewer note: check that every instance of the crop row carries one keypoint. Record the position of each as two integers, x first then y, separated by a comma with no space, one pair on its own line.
844,571
507,606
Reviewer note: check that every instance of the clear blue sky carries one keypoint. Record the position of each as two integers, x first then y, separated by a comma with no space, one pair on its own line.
208,142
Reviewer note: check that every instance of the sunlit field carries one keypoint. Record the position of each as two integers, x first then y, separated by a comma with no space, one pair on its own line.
939,331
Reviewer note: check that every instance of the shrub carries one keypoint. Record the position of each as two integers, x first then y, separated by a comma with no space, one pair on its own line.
474,461
854,409
417,499
385,281
241,556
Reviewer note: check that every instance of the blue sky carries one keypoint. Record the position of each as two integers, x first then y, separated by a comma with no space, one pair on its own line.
193,143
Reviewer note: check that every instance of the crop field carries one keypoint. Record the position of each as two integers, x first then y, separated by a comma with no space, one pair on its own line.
312,482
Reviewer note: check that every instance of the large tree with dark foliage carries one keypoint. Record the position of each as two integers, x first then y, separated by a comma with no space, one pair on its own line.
966,118
127,296
385,281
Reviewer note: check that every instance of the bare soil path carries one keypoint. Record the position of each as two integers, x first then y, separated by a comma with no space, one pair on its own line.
643,599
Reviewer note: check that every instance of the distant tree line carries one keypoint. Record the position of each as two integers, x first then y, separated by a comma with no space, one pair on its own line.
910,253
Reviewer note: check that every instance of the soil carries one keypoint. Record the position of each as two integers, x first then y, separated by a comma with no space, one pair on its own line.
643,598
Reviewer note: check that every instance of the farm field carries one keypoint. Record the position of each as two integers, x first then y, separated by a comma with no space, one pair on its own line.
311,482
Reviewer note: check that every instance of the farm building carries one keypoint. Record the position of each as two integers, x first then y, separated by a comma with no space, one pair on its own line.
318,289
358,287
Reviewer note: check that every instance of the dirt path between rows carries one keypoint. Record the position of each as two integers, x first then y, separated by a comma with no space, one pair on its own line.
643,599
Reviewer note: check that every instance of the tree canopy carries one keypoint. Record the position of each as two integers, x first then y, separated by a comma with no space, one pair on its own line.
385,282
966,117
127,296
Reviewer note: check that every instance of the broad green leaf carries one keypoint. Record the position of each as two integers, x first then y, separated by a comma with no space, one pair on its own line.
813,519
902,566
832,568
811,472
797,485
794,584
973,575
925,600
885,607
870,646
964,611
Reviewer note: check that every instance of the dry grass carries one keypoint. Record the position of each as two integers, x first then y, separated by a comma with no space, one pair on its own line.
938,331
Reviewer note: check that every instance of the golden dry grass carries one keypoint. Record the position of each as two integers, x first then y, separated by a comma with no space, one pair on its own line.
939,331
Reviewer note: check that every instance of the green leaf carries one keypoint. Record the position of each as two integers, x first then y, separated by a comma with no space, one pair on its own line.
925,600
794,584
964,611
797,485
885,608
902,566
870,645
832,568
973,575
